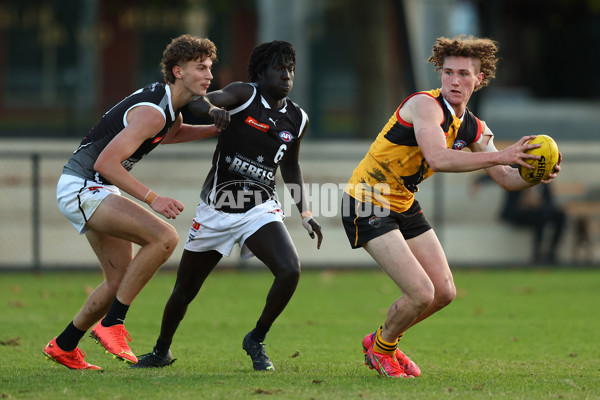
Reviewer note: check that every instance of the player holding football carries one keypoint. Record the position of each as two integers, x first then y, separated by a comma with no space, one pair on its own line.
380,213
88,194
261,130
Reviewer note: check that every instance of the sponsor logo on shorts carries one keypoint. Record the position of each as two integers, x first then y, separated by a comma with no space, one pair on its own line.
375,222
286,136
258,125
95,189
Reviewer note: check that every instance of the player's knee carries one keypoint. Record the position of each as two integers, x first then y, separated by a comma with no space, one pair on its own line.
289,273
422,296
292,274
424,301
171,239
167,240
445,296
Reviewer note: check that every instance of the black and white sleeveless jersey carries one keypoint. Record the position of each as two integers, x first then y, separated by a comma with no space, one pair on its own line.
248,153
82,162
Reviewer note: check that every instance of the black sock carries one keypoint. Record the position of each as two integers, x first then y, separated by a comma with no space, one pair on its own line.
69,338
162,347
116,314
259,332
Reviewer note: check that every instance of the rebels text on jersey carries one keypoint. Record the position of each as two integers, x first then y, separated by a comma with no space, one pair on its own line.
248,154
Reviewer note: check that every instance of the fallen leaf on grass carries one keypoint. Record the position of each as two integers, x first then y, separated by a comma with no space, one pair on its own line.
11,342
263,391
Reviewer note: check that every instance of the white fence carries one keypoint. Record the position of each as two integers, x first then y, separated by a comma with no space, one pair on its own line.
34,235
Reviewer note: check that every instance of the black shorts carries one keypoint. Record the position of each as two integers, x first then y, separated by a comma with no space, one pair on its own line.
363,221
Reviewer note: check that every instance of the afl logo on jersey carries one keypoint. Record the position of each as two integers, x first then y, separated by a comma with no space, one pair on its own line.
459,144
286,136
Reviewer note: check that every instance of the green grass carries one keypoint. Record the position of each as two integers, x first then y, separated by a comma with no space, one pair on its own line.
530,334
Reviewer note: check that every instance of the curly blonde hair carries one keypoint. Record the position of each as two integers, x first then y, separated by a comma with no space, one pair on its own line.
183,49
482,49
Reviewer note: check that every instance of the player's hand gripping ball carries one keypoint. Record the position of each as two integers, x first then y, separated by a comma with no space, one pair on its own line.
548,151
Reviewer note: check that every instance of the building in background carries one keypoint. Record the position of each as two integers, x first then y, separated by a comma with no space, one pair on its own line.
64,62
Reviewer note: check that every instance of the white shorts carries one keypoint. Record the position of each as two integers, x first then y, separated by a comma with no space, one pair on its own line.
78,198
220,231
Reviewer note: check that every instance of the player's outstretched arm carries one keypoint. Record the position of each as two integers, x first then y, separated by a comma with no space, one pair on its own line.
217,104
181,133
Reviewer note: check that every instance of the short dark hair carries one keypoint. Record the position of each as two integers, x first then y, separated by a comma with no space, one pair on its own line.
183,49
277,52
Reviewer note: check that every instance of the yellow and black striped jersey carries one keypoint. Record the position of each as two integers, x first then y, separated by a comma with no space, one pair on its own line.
389,174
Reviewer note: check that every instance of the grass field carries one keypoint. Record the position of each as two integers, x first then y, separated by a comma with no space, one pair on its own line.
512,334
